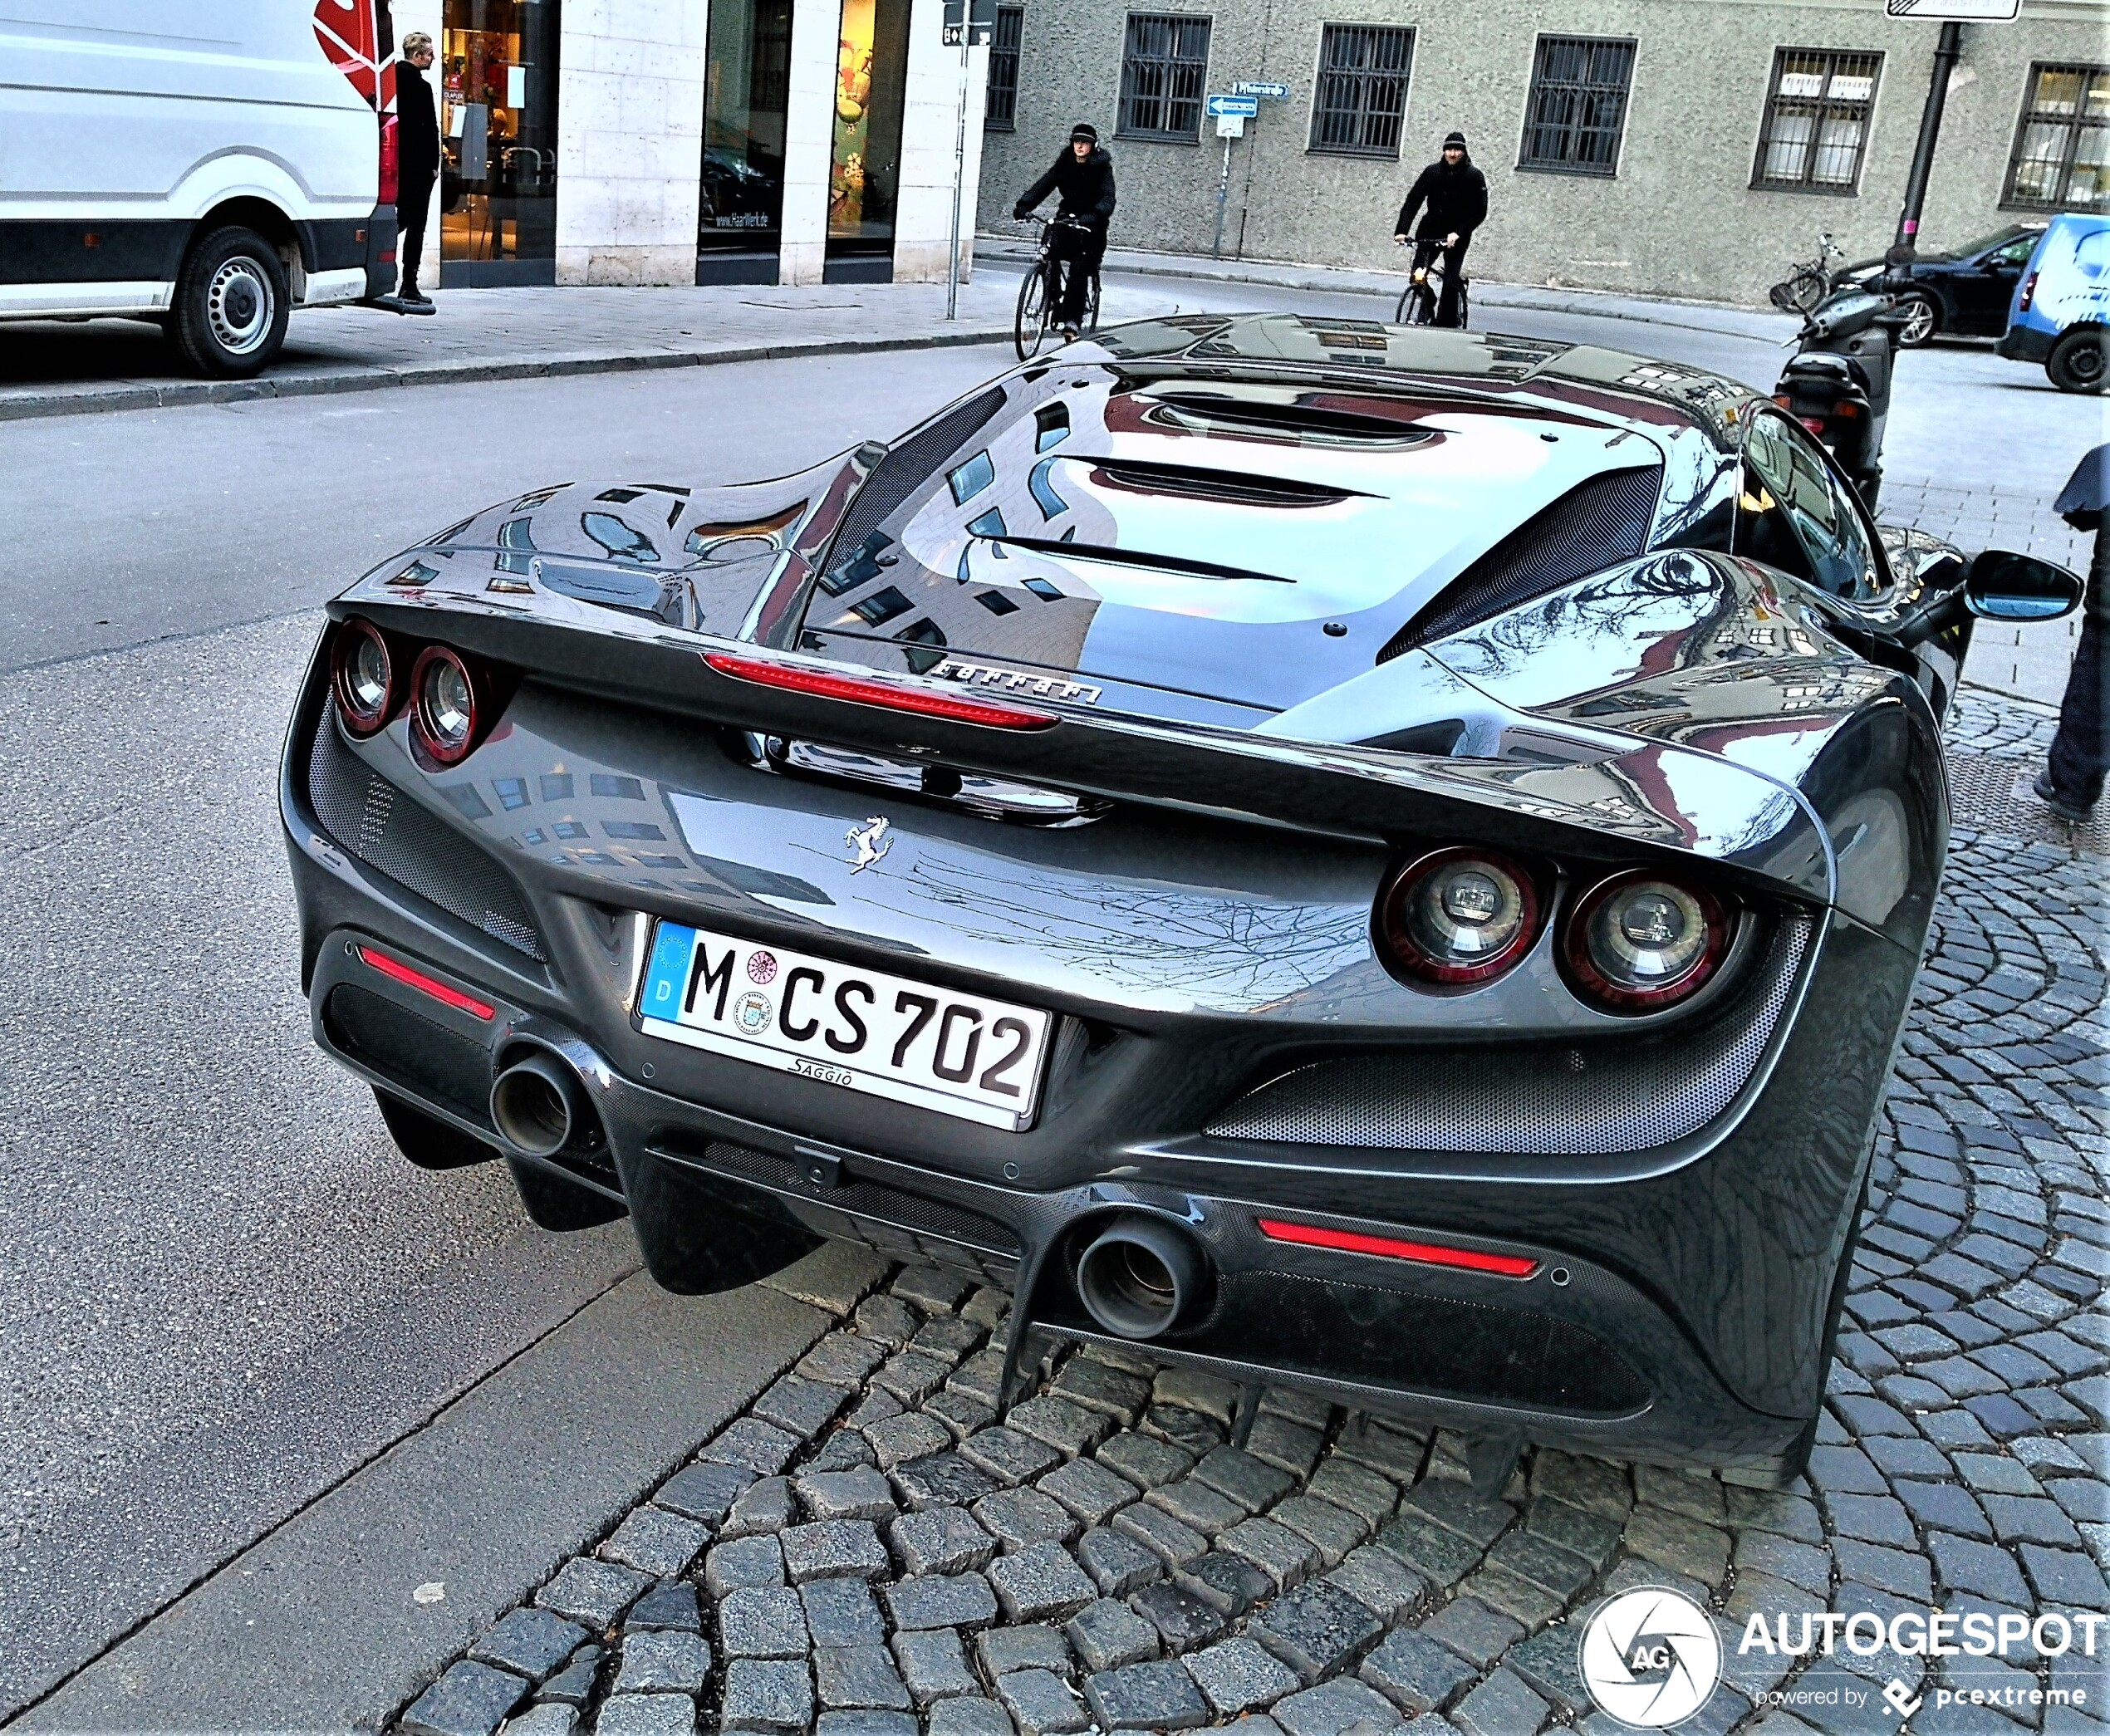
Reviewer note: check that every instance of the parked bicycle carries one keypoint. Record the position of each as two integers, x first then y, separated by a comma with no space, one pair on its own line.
1424,293
1040,292
1809,282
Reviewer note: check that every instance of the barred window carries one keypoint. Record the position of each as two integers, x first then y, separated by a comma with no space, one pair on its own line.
1163,65
1362,89
999,111
2062,148
1816,130
1579,104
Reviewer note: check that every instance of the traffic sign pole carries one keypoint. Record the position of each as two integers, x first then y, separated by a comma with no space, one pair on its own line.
1242,105
959,186
1947,51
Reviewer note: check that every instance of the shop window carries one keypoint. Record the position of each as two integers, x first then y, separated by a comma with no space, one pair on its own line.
1362,91
1578,105
498,132
2061,160
1001,110
1163,65
871,84
1816,112
747,96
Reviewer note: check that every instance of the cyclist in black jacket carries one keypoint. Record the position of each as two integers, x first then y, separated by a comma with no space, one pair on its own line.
1455,194
1084,176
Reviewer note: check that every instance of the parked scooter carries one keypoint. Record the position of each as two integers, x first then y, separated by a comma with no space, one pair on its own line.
1838,386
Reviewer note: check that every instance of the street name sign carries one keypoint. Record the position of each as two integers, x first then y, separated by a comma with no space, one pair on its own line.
1221,104
1263,88
1962,12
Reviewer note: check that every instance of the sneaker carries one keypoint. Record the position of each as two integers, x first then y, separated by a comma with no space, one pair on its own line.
2047,793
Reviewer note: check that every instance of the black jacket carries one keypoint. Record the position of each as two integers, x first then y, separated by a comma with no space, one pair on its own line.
1087,188
417,129
1456,198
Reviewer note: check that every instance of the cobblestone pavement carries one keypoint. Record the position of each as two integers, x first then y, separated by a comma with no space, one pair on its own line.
869,1550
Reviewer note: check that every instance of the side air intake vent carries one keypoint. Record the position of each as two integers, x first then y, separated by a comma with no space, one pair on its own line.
372,820
1588,528
908,466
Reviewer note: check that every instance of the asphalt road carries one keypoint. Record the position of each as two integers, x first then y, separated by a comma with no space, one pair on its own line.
220,1290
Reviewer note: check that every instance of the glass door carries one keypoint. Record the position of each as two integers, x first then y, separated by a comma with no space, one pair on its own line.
746,92
498,135
865,170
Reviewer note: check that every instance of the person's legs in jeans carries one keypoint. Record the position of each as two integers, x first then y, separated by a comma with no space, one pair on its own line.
1454,274
2080,752
410,211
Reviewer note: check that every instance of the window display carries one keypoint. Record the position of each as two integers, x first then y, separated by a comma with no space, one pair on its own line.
747,88
864,175
498,126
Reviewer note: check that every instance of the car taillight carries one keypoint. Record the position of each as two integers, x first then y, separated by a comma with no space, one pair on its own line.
447,704
1457,916
862,690
2029,292
363,677
390,162
1642,940
1815,425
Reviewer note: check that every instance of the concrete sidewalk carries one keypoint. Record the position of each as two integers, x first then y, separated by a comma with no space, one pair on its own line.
51,369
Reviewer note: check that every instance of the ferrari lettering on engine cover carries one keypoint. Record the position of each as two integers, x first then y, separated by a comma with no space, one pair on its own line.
1017,681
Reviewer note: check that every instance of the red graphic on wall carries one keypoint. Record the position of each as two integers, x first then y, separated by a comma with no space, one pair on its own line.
350,37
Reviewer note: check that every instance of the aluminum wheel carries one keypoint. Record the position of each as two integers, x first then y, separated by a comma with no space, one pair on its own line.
240,307
1920,320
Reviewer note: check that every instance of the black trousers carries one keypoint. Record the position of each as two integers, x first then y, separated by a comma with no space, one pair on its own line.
413,204
1453,272
1082,249
2080,752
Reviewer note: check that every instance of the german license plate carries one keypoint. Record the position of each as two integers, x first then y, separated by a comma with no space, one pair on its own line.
864,1030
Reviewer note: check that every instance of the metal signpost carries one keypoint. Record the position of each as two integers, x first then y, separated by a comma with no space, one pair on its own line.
1954,14
1232,111
968,23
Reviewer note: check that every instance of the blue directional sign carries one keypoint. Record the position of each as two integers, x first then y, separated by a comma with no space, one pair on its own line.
1262,88
1220,104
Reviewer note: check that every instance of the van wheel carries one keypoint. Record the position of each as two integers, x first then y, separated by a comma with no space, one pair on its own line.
232,304
2075,363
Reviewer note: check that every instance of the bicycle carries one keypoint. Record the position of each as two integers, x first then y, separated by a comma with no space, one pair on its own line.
1040,292
1809,282
1424,293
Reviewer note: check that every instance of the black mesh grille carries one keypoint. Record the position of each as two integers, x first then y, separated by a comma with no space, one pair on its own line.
1603,520
392,834
419,1052
1590,1098
908,466
1430,1344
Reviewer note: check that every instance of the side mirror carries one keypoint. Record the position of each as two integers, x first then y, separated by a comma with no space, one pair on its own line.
2004,586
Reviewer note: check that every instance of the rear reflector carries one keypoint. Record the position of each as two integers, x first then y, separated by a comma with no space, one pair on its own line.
417,979
888,694
1388,1248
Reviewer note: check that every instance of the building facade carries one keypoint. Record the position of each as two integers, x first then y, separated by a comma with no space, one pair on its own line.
697,141
1678,147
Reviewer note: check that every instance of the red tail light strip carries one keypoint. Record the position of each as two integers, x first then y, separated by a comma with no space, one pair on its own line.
1388,1248
401,972
887,695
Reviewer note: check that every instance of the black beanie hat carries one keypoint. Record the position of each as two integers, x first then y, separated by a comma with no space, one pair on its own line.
1084,131
1453,141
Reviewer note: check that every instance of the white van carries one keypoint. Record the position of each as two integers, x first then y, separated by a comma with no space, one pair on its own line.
208,164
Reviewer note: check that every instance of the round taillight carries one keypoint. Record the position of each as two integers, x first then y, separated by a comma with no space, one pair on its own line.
444,704
1639,941
1457,916
362,677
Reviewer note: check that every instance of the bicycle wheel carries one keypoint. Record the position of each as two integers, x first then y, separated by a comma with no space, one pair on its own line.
1029,323
1465,306
1400,312
1092,305
1806,289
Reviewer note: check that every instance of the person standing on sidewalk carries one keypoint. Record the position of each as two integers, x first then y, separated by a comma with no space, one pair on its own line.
2071,783
1084,176
1455,195
417,164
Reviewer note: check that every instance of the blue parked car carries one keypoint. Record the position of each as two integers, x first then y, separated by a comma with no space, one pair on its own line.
2060,315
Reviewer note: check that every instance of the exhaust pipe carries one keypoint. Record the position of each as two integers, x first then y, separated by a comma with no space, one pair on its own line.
1140,1277
538,1106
